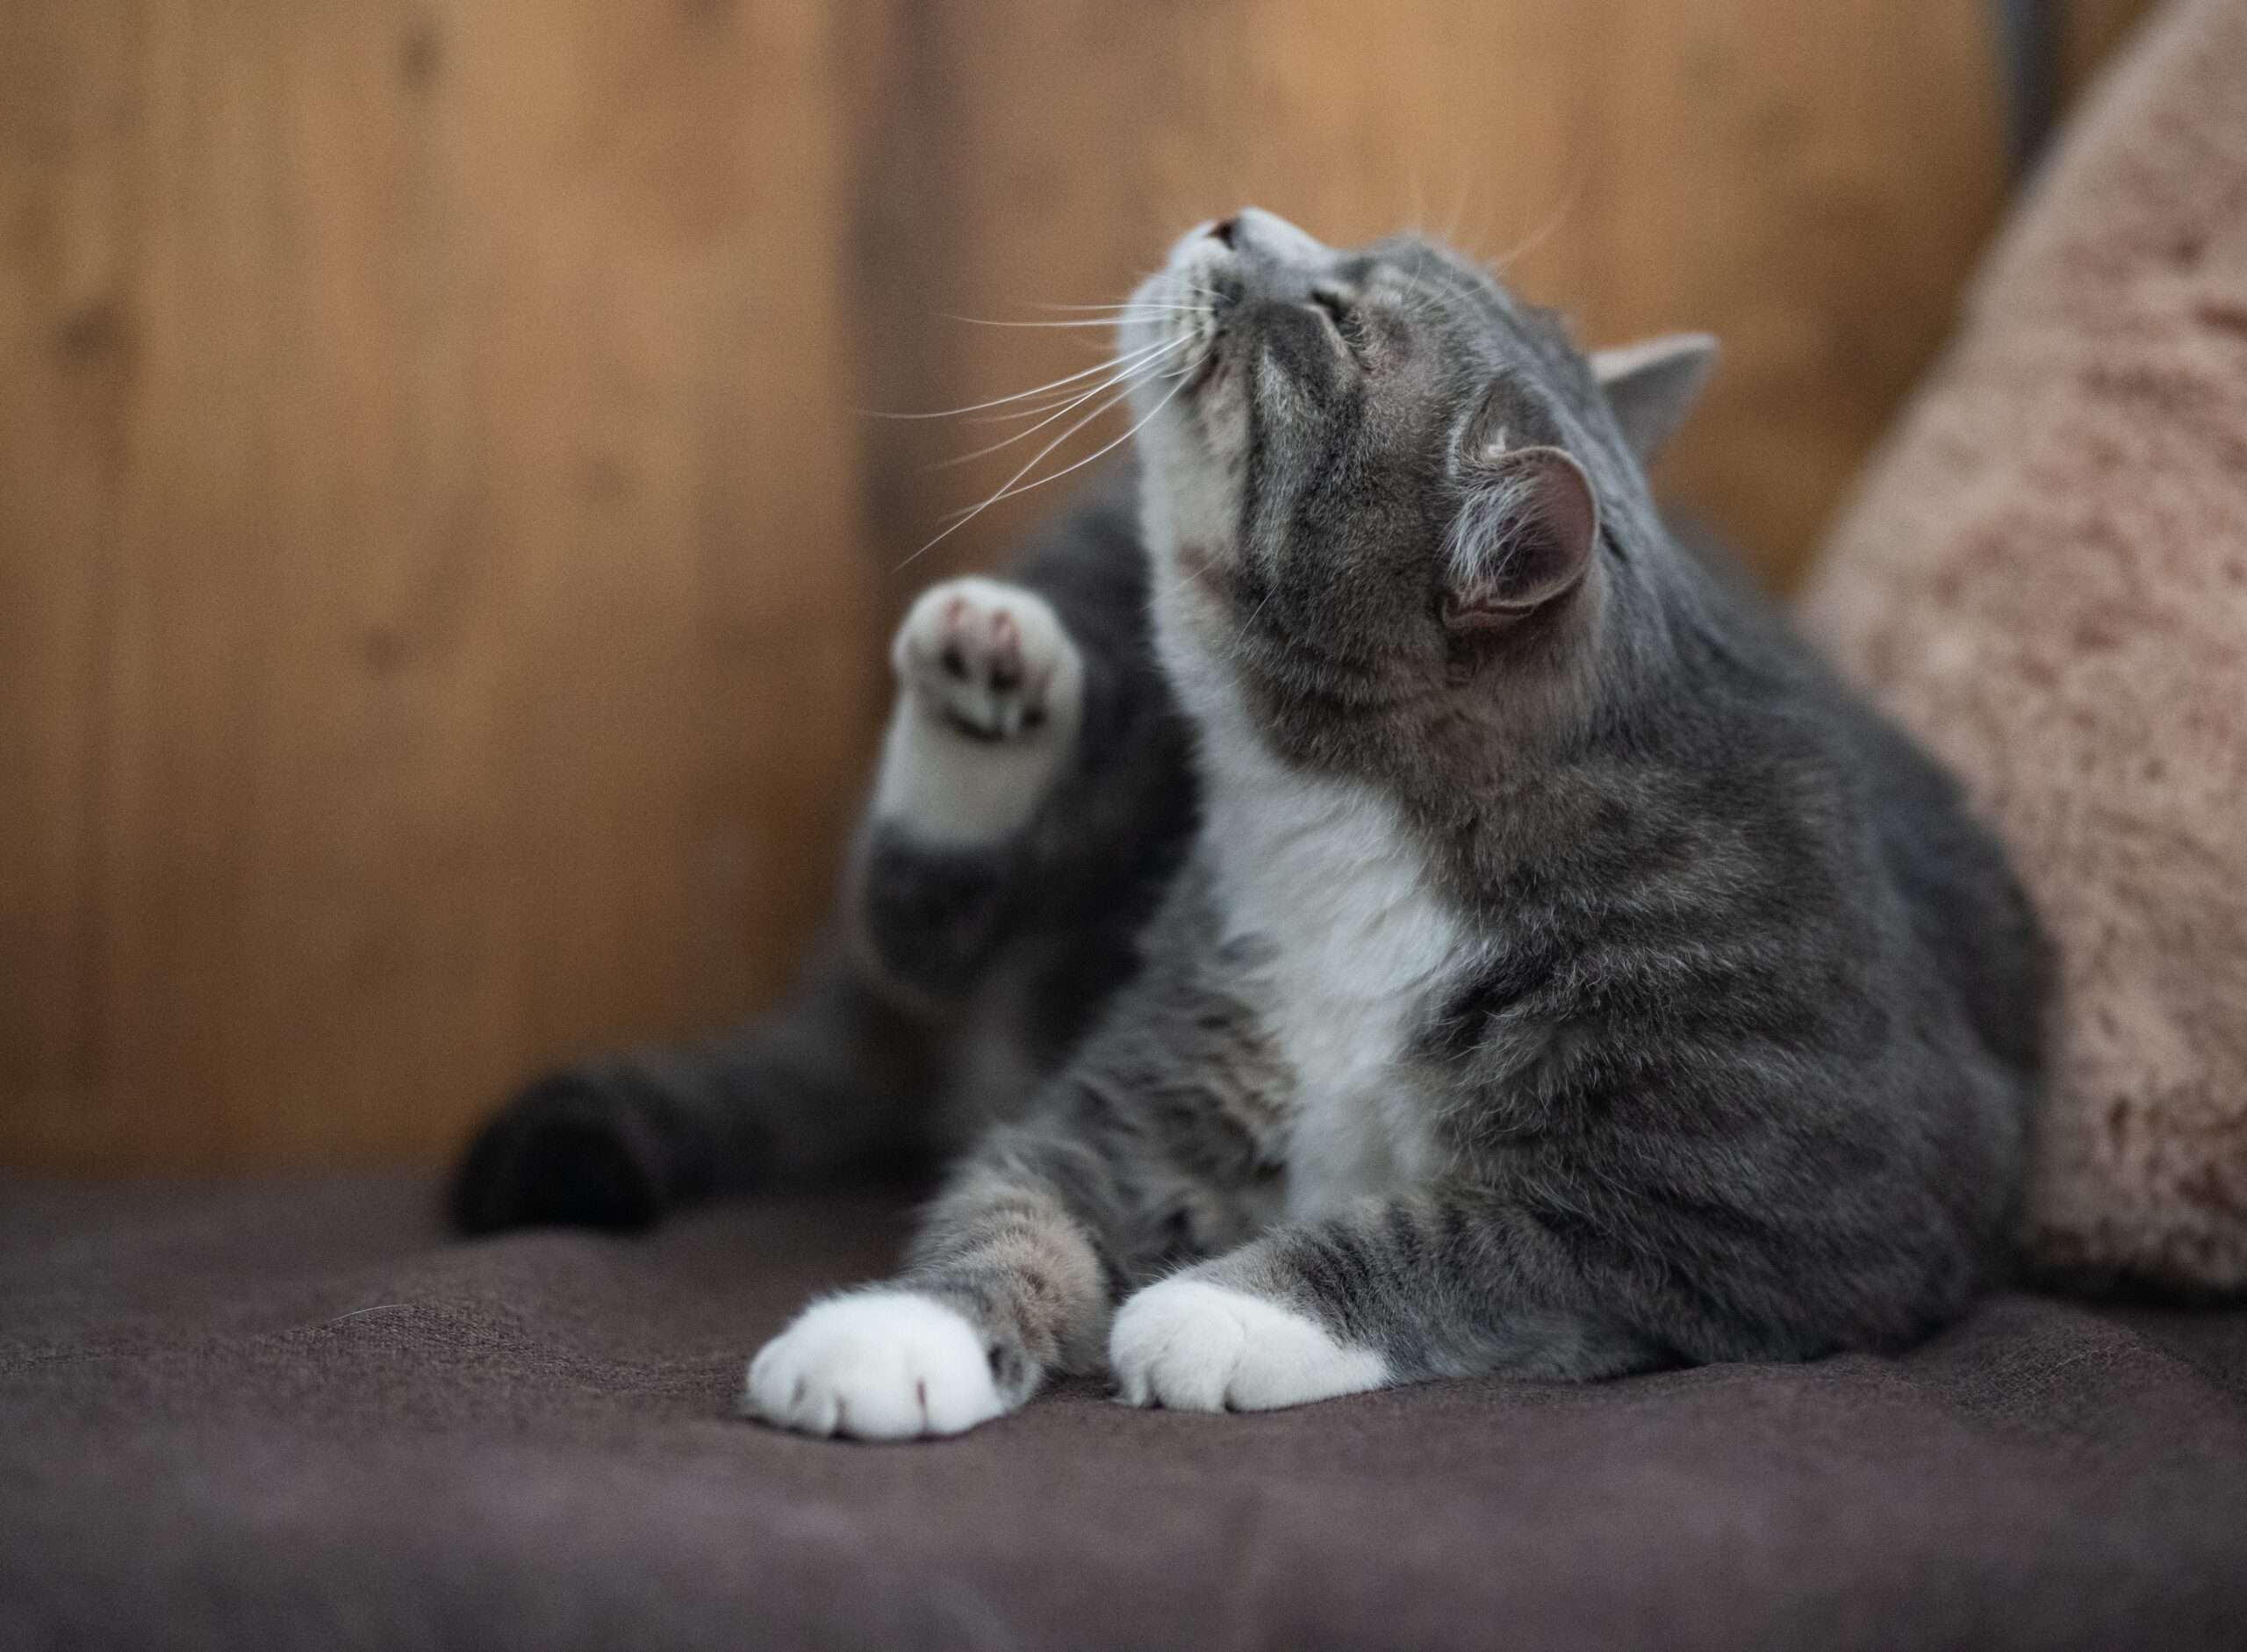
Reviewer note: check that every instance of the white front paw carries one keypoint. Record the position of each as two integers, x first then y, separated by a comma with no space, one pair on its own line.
991,660
1194,1345
884,1365
991,692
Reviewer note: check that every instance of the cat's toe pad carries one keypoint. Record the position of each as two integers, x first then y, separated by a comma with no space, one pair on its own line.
1194,1345
990,659
881,1365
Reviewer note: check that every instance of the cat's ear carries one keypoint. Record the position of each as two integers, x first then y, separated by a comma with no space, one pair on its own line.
1653,384
1523,539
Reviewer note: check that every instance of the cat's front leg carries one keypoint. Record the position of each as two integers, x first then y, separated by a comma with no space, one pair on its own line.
1156,1146
1005,1285
1193,1343
1450,1282
990,698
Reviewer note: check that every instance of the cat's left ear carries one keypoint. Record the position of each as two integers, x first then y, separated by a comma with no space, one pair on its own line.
1653,384
1523,538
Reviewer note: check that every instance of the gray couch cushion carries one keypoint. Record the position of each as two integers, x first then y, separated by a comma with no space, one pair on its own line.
304,1417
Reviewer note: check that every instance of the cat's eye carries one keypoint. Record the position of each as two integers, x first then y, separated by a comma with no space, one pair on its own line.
1344,315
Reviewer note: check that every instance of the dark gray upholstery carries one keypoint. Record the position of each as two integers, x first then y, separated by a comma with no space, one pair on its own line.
304,1417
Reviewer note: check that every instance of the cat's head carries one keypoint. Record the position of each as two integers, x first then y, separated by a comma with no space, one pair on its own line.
1372,477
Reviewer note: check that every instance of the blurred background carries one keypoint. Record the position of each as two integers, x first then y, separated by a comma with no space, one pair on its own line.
445,555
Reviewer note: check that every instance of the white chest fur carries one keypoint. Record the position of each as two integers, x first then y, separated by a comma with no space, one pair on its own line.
1327,882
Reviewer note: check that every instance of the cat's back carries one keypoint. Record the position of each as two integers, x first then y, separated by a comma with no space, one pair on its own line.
1968,914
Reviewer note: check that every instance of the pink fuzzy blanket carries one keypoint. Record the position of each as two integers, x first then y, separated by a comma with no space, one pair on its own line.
2046,576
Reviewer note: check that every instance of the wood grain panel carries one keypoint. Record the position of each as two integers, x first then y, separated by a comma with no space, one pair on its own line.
455,650
66,109
443,562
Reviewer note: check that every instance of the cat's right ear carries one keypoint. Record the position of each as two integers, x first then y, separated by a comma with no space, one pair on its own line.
1523,538
1652,385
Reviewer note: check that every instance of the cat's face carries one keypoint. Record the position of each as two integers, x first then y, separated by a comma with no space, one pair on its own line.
1362,466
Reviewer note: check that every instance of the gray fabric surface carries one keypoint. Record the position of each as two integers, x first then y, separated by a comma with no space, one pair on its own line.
304,1417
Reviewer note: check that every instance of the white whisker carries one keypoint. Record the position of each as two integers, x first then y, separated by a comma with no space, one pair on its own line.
996,401
1544,231
1010,490
969,513
1138,359
1126,377
1126,308
978,320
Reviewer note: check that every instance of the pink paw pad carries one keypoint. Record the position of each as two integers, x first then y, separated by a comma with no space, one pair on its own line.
988,659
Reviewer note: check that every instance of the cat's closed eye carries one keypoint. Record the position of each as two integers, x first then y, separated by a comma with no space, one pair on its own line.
1342,314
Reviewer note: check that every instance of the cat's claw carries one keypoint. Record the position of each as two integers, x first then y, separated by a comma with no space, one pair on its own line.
990,659
880,1365
1194,1345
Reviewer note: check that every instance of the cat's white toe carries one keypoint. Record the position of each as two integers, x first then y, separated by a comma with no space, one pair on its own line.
990,658
883,1365
1194,1345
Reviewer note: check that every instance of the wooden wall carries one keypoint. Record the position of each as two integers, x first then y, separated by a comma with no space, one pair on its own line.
443,560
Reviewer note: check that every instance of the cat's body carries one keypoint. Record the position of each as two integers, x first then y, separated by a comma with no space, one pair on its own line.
1565,976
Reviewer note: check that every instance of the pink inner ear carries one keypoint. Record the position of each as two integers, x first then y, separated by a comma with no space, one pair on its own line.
1529,538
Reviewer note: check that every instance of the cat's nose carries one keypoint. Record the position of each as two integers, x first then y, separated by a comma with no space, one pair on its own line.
1253,231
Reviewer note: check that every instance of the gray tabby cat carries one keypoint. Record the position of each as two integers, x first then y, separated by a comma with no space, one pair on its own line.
1563,977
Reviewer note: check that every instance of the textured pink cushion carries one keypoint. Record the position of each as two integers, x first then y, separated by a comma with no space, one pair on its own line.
2045,574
